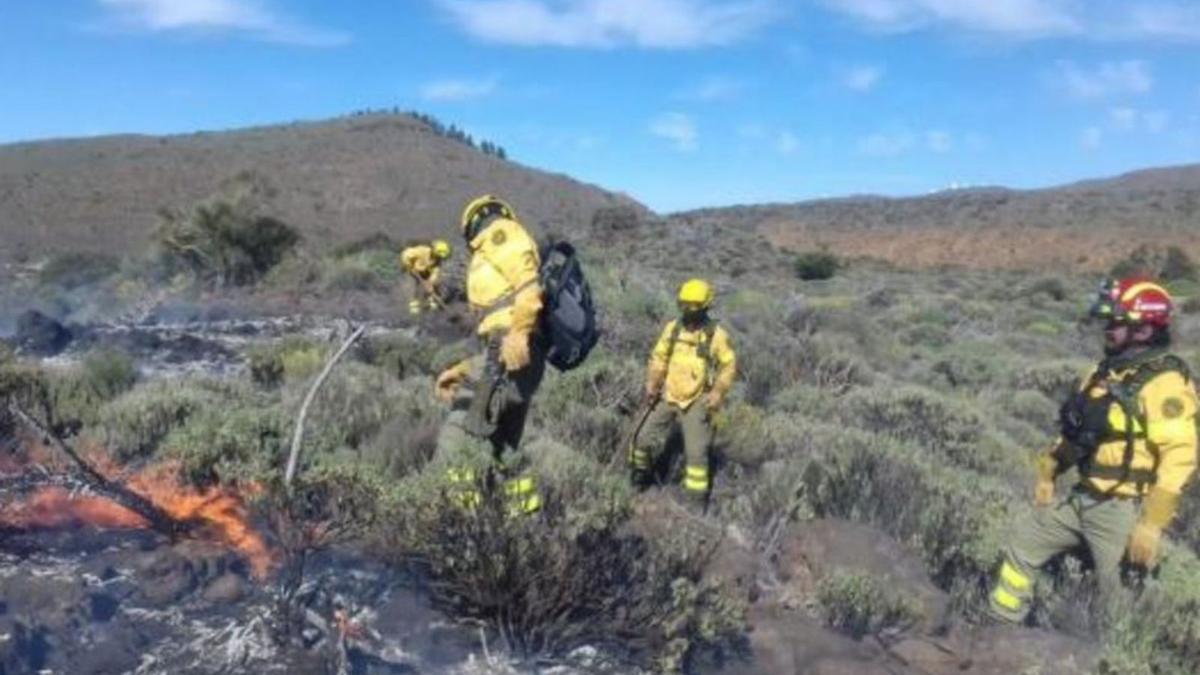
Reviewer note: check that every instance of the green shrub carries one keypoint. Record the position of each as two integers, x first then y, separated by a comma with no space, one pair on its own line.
67,399
743,434
110,372
956,519
399,354
231,442
1035,408
226,240
816,265
352,406
289,359
1157,632
369,244
72,270
1055,379
1178,266
924,417
860,604
134,425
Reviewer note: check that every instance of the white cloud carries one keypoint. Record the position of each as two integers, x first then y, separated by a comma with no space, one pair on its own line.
1102,20
939,141
715,89
1156,121
886,145
1123,119
658,24
1131,119
451,91
1108,79
250,18
862,78
1030,18
1166,20
1091,138
677,128
787,143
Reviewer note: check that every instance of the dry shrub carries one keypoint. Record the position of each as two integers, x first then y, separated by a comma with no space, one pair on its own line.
572,575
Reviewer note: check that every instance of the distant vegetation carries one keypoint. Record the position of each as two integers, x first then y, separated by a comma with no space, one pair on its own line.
226,240
441,129
816,265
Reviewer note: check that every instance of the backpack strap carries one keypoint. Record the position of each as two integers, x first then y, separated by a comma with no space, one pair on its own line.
703,349
1125,394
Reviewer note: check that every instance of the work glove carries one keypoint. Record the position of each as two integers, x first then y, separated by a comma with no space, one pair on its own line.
514,350
713,401
653,390
1043,491
449,381
1143,545
1157,511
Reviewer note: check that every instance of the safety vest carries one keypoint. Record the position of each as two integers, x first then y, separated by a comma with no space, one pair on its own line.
1120,425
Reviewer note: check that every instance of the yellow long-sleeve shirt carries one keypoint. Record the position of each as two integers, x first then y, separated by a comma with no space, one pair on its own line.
1166,445
685,371
502,278
420,261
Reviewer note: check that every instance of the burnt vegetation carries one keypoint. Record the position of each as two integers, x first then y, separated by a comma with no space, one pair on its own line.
910,403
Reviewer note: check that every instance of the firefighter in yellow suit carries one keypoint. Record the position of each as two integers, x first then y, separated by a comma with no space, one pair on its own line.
423,263
1130,431
691,370
504,291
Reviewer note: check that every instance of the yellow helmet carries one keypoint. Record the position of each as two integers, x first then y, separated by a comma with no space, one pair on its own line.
441,249
481,208
696,294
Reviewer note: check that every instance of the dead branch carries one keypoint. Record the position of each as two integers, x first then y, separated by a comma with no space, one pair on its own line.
298,436
157,518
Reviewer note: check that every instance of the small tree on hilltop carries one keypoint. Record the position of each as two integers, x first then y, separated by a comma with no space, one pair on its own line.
226,240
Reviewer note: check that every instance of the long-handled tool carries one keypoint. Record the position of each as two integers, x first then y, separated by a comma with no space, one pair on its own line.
630,439
428,288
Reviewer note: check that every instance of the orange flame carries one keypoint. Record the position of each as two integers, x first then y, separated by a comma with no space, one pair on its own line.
221,512
54,507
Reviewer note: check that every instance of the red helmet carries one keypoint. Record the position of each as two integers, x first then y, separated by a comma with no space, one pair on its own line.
1136,300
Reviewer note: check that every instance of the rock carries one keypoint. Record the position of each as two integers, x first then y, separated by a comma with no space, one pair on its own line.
786,643
227,588
812,550
41,335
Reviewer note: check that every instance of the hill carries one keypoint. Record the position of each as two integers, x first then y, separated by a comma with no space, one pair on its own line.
335,181
1087,225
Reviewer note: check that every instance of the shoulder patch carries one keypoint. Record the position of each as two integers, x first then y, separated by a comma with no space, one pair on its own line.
1172,407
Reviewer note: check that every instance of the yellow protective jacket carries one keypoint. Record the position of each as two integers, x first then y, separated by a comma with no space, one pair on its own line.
503,285
1166,444
420,261
686,372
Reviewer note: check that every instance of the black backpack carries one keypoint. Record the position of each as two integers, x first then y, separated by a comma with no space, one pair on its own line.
569,316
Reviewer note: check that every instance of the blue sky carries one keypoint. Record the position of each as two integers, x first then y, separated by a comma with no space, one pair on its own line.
679,103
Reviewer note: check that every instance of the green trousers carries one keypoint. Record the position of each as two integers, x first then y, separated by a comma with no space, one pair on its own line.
466,455
1081,519
697,436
